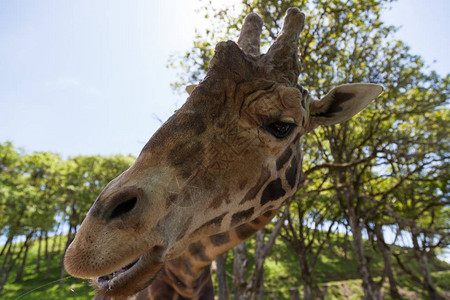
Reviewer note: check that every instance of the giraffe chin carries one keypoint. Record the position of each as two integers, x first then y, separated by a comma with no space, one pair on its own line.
131,278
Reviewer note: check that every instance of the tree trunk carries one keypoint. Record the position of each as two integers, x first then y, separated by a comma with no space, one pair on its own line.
257,288
387,262
422,259
345,244
46,246
8,242
7,265
254,288
59,242
240,270
50,254
371,289
55,236
7,246
38,256
294,294
63,271
21,267
306,276
59,237
307,285
26,244
221,277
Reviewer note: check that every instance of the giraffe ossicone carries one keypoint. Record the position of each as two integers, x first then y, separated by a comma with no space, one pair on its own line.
215,173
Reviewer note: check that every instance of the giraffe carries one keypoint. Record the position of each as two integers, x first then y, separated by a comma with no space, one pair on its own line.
215,173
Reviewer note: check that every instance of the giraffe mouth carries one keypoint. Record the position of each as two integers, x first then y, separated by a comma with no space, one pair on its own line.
111,276
132,277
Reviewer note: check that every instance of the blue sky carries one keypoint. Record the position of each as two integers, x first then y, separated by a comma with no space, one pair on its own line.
90,77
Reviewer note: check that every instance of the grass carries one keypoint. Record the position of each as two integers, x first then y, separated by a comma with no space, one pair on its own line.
34,286
335,276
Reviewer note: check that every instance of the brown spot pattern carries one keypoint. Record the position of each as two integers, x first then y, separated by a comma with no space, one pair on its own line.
273,191
218,200
299,182
284,157
187,266
242,184
242,216
256,221
185,157
291,172
220,239
251,194
197,250
171,199
268,213
244,231
174,278
214,222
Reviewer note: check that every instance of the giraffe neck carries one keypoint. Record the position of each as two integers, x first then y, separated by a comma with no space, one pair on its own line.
176,281
189,276
201,253
190,273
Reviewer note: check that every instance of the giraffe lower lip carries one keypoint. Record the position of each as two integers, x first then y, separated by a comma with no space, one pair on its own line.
117,273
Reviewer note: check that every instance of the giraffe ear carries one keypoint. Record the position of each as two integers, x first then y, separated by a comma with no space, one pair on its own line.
342,103
190,88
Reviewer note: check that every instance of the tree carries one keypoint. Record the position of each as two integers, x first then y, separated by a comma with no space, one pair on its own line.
27,201
421,203
40,173
40,192
221,277
252,287
10,222
374,155
308,230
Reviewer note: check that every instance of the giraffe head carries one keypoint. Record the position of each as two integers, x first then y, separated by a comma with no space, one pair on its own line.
231,153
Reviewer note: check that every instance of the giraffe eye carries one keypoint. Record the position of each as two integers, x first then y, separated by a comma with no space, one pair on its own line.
280,129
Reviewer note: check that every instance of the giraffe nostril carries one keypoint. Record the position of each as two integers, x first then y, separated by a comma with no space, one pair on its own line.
123,208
